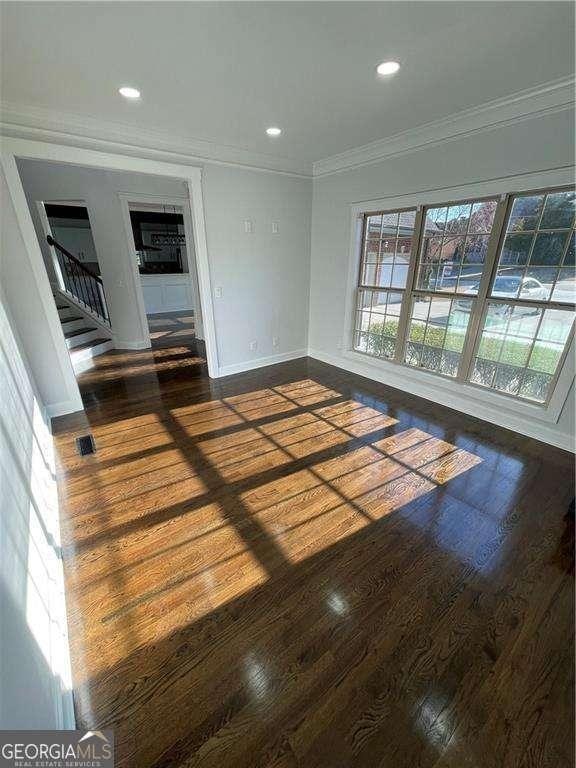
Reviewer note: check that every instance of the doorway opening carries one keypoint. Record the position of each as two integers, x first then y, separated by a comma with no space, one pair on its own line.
162,242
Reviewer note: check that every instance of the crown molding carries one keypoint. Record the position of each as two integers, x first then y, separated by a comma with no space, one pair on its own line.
41,124
546,99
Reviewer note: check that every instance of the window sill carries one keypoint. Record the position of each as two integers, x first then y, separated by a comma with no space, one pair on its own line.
468,398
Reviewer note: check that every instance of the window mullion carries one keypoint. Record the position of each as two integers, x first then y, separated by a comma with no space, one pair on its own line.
417,239
475,323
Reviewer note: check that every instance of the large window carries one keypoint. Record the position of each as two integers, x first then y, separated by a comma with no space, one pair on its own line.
482,290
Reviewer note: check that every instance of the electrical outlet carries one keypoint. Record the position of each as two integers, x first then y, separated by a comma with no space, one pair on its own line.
253,346
219,292
275,341
275,228
248,226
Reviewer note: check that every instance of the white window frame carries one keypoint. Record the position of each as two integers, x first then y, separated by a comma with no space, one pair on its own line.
454,392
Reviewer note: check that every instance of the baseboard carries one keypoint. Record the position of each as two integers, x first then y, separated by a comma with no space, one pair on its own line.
118,344
62,409
68,717
260,362
538,431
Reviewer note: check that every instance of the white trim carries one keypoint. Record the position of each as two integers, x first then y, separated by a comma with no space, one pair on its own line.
260,362
51,126
38,268
500,185
67,203
545,99
39,123
68,719
61,409
130,257
429,387
46,228
119,344
191,175
84,359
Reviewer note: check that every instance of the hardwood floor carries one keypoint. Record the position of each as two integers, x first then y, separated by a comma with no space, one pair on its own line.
169,328
299,567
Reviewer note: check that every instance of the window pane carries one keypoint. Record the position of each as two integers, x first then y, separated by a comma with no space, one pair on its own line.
516,249
475,249
399,275
525,213
372,249
436,219
436,333
549,248
558,211
482,217
373,226
377,318
565,288
389,224
507,283
456,237
458,218
537,283
520,349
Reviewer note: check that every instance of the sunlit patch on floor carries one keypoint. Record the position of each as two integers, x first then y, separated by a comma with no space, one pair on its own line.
189,508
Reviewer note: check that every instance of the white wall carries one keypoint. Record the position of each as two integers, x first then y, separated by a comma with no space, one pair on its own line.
538,144
76,239
167,293
34,659
264,276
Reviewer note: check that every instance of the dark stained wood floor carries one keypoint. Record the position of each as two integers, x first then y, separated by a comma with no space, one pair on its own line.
299,567
170,328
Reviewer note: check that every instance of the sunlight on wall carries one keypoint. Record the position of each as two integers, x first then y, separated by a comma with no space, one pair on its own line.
35,668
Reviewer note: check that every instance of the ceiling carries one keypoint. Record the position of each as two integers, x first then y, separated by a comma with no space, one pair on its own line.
223,72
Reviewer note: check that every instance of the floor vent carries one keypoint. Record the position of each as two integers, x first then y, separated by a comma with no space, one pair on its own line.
85,445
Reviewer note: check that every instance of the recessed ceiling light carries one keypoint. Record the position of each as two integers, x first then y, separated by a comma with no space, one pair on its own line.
273,131
388,68
128,92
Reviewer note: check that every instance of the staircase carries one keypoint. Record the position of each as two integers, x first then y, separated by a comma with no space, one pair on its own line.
81,304
83,337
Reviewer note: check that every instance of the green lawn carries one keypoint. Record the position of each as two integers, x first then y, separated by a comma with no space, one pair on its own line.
515,351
